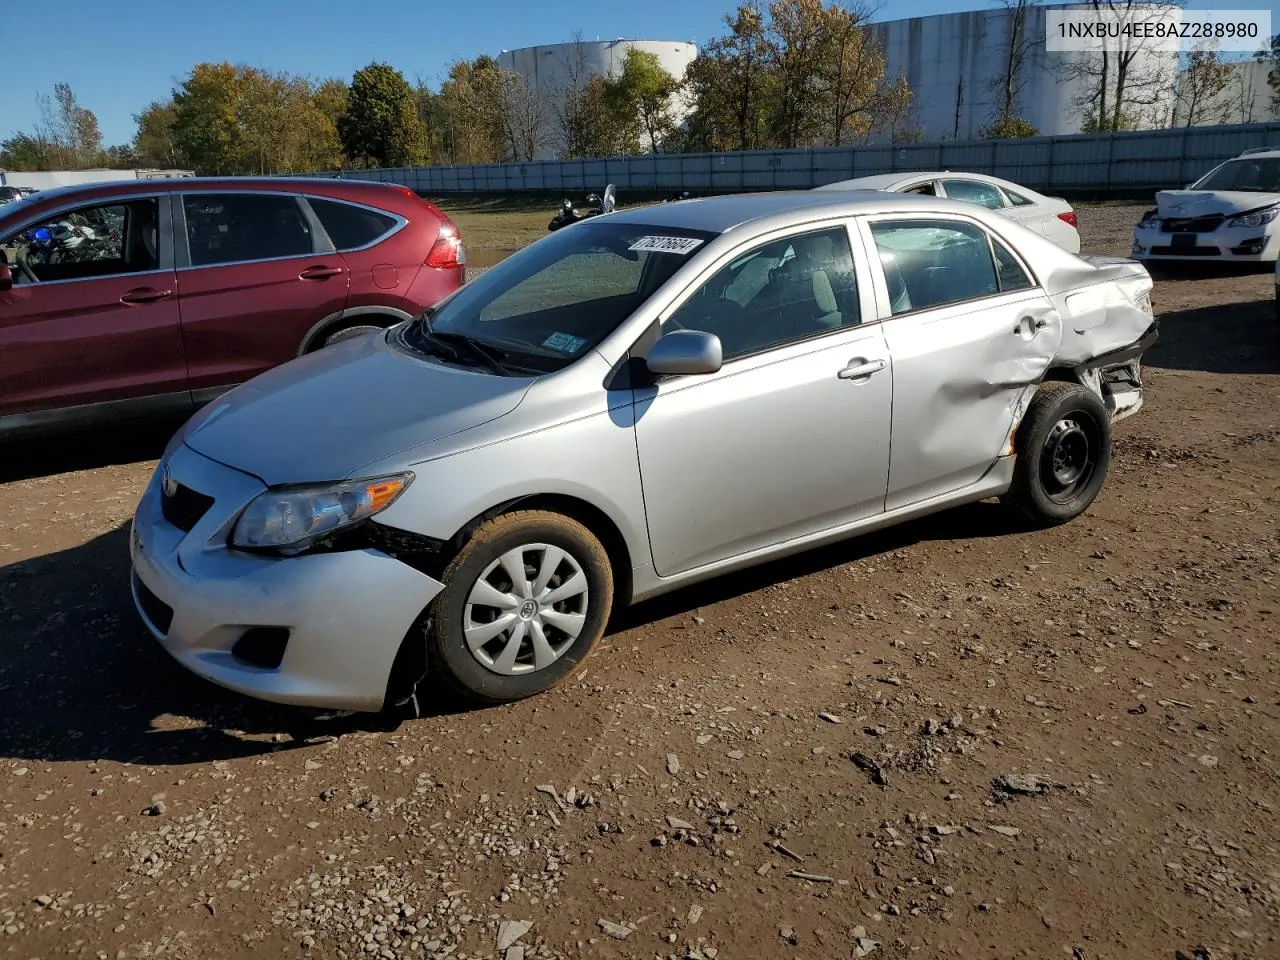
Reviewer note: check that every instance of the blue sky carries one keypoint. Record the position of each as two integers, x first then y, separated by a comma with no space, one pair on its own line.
119,56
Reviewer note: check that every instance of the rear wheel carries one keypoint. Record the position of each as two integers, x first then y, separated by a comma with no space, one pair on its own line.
1063,449
524,602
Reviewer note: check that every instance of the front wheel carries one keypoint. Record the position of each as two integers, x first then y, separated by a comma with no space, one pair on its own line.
524,602
1063,449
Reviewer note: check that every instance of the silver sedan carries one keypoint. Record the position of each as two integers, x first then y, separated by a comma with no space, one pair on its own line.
638,402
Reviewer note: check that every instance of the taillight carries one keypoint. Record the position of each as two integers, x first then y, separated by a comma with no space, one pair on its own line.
447,250
1069,217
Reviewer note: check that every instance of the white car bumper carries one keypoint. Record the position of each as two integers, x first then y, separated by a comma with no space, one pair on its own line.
1233,244
335,620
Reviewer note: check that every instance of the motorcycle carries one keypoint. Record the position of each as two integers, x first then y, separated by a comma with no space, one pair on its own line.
66,242
568,213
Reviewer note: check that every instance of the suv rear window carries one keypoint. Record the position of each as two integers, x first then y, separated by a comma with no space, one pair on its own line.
350,226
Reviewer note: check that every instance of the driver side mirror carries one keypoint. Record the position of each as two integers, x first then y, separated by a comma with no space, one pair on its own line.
685,352
6,277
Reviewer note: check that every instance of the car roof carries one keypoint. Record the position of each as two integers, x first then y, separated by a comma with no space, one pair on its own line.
116,188
780,209
884,181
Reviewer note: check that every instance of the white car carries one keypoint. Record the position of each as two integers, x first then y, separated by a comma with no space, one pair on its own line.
1051,216
1229,214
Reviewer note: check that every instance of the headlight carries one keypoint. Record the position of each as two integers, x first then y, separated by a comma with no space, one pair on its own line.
1150,219
290,519
1255,219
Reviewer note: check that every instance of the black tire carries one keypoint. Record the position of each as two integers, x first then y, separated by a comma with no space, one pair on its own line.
447,646
348,333
1063,450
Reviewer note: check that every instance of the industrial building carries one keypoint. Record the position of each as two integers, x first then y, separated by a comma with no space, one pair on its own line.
954,63
550,69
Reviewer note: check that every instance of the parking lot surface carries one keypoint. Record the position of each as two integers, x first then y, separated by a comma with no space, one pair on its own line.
956,738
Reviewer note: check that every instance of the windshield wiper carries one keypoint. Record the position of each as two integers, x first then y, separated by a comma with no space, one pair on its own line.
488,356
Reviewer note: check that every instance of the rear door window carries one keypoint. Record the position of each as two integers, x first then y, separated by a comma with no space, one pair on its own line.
349,226
931,263
241,227
973,191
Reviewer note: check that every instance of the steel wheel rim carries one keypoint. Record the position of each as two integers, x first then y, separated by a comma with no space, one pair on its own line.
1069,458
526,609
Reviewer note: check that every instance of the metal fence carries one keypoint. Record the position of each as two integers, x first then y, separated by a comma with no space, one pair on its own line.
1093,163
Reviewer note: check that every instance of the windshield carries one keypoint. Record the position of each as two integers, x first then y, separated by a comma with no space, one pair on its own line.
547,305
1250,176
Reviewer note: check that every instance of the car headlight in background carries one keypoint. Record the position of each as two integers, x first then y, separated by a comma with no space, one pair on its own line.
290,519
1150,219
1255,219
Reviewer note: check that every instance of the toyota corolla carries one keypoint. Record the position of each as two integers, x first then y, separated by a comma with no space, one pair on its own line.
641,401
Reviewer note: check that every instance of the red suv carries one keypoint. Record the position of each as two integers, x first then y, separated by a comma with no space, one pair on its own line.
120,300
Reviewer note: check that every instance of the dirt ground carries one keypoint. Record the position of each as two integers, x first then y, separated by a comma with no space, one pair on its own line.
801,761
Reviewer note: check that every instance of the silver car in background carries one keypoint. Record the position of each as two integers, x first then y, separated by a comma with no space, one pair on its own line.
640,401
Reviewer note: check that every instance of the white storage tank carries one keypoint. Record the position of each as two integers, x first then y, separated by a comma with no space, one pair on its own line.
548,68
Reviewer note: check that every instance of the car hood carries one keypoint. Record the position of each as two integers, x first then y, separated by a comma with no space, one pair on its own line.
326,415
1201,203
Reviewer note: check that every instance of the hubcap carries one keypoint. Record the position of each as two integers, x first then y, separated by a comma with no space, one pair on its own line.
1068,459
526,609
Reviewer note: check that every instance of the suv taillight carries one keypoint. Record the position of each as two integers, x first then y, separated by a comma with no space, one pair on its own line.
447,250
1070,218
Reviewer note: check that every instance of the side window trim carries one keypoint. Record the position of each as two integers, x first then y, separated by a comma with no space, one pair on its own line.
862,277
883,308
992,240
400,221
317,244
164,234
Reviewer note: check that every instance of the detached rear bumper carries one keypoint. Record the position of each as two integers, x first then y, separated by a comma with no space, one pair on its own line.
1117,374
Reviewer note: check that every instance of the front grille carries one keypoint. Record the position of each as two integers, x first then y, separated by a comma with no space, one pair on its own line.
157,612
1193,224
184,508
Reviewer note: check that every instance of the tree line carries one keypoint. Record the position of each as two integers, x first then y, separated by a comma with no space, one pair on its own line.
790,73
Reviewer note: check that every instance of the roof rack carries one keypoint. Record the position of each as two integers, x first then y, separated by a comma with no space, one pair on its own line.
1252,150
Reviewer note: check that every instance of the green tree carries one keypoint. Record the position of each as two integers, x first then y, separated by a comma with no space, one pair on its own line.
730,82
155,144
380,124
644,89
24,151
206,123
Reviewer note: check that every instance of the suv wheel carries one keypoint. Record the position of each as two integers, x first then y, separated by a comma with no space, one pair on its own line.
524,602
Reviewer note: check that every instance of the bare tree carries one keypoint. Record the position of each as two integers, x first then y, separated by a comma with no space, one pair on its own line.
1121,85
1010,82
566,103
1199,97
524,117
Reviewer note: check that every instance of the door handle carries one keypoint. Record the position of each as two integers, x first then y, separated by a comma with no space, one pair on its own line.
145,295
861,369
1030,325
319,273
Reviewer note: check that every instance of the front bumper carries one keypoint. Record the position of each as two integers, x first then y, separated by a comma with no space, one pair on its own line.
1230,244
345,612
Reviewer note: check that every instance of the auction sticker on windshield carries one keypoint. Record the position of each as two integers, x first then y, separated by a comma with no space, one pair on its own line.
564,343
680,245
